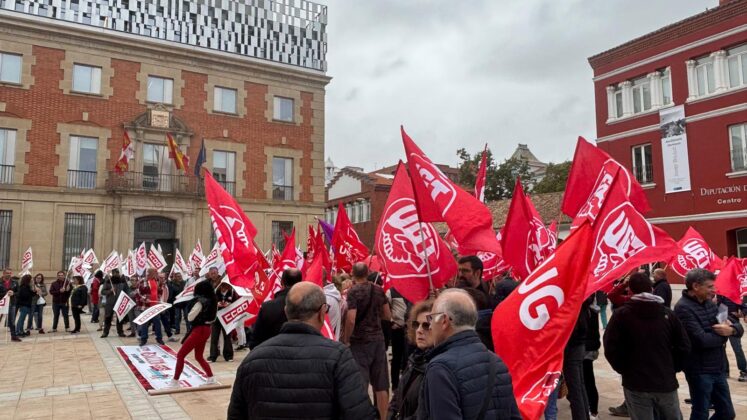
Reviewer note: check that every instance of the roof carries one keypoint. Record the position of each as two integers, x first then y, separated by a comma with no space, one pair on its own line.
522,152
547,205
710,17
369,178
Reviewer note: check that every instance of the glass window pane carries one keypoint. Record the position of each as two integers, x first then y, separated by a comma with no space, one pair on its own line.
217,102
700,74
636,100
646,92
288,172
219,159
96,80
734,71
711,78
87,156
744,69
10,68
619,104
742,237
168,86
81,78
155,89
229,101
283,109
666,90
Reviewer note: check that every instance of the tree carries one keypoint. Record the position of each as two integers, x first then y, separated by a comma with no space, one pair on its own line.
501,179
555,178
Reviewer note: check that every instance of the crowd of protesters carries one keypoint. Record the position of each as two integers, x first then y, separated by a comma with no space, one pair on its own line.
442,362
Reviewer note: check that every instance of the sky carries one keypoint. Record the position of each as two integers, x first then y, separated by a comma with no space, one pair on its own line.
465,73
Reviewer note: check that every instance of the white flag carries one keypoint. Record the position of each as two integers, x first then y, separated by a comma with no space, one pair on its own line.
188,293
141,259
111,262
151,312
197,258
123,305
129,267
155,259
27,262
213,259
182,266
90,257
4,305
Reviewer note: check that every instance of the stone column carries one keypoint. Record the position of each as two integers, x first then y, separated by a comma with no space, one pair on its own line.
654,79
627,92
719,70
611,114
692,80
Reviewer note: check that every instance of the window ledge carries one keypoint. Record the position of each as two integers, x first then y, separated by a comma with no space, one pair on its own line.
275,120
737,174
651,111
87,94
648,185
11,84
728,91
226,114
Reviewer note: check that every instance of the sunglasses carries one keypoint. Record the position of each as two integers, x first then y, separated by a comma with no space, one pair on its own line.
415,325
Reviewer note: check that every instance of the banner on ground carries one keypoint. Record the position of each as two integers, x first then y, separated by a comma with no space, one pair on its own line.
673,150
123,305
154,367
151,312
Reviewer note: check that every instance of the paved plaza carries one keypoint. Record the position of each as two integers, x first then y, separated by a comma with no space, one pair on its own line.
61,376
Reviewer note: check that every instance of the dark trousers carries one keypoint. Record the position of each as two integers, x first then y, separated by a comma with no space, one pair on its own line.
215,334
166,323
76,318
591,386
736,345
108,325
143,330
11,320
179,313
58,309
95,313
398,354
653,405
23,312
707,389
574,377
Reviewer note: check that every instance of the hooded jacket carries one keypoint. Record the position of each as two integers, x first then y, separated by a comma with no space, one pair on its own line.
646,343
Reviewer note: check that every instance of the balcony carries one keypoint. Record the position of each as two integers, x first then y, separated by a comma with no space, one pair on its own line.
85,180
6,174
154,183
282,192
645,174
229,186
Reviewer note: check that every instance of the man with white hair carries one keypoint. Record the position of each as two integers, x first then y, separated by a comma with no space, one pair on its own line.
463,379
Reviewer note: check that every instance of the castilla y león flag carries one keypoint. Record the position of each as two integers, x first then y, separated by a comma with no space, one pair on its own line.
694,252
235,233
441,200
403,244
348,247
531,327
590,166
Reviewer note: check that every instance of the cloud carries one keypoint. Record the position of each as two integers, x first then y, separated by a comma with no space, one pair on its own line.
459,74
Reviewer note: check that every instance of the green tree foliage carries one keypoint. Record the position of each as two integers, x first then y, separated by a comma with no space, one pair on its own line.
501,179
555,178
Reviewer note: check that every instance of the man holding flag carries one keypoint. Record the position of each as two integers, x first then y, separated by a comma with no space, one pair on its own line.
149,292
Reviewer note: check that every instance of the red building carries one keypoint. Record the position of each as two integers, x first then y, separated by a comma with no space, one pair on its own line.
690,74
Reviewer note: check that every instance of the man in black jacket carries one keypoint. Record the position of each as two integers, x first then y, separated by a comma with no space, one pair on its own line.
299,373
458,382
646,344
662,287
271,316
705,368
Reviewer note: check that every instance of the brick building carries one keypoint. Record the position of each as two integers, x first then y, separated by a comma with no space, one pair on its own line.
247,78
672,106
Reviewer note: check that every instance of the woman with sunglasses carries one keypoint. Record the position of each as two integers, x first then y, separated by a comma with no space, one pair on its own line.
404,404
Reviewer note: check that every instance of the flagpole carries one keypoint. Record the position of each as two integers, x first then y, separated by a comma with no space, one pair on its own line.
431,289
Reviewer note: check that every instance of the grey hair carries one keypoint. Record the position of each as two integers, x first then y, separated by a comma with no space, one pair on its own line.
307,307
463,313
698,276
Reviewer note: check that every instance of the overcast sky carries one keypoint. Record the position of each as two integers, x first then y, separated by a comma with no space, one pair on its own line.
462,73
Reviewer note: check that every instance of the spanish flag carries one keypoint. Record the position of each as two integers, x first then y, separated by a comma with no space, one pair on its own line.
180,159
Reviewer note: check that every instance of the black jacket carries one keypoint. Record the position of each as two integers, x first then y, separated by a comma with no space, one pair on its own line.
664,291
59,295
207,313
13,287
300,374
270,319
646,343
80,296
24,296
404,404
708,354
456,380
581,329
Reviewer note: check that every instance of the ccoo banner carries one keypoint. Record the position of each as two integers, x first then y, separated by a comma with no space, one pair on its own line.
674,150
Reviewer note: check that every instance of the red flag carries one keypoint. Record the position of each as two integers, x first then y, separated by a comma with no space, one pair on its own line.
234,231
288,258
402,246
127,154
623,239
526,242
493,265
181,161
732,280
319,248
482,175
532,326
438,199
262,285
590,165
315,271
348,247
694,252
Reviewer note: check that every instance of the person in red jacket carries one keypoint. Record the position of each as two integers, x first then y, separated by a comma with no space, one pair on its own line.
149,293
98,278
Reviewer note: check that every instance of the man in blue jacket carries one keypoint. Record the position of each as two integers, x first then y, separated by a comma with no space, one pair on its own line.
463,379
706,367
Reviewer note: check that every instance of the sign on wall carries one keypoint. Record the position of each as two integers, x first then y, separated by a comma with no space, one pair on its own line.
674,150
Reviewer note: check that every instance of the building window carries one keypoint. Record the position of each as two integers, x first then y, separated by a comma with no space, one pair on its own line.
78,235
705,76
642,164
366,211
618,103
282,178
6,219
279,230
224,100
224,168
10,68
666,87
641,95
156,167
160,90
738,135
741,243
737,66
7,155
353,212
86,79
82,170
283,109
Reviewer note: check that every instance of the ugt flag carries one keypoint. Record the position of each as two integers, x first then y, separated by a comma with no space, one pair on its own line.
532,326
694,252
732,280
235,233
347,245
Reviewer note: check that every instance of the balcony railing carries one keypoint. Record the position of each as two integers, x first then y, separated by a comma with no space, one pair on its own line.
645,174
282,192
738,159
229,186
81,179
6,174
157,183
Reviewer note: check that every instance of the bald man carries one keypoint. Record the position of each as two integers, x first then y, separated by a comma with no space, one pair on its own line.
463,379
299,373
662,287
